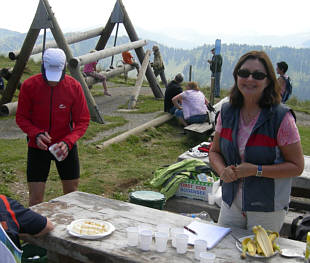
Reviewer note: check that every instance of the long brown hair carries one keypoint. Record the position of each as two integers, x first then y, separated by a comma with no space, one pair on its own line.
271,94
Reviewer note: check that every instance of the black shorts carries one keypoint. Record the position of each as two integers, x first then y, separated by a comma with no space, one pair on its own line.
39,162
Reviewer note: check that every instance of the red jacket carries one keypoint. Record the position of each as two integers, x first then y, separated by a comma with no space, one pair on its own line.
42,108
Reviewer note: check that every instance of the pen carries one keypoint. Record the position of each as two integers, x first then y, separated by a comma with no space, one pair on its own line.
190,230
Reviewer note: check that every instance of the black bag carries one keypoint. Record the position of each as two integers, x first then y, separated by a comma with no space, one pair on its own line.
299,230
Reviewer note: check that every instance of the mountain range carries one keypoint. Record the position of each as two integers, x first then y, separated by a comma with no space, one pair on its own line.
180,54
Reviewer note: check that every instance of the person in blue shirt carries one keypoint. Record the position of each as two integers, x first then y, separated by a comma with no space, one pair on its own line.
17,220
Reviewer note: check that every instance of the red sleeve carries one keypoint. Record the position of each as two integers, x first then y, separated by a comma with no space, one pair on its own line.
23,113
80,117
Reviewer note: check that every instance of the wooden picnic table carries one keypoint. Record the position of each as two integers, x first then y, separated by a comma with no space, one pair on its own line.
113,248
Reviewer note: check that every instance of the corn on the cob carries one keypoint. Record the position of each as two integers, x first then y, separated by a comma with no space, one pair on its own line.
263,240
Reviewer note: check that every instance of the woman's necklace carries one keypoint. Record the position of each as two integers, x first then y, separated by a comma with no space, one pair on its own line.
248,117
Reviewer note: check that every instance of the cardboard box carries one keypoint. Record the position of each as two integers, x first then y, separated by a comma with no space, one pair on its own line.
194,189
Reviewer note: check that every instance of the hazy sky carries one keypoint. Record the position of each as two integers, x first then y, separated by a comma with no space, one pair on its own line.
266,17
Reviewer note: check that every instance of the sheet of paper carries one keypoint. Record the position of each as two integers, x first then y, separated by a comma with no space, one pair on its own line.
211,233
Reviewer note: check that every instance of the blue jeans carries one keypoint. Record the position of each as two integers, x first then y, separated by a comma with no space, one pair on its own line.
217,88
196,119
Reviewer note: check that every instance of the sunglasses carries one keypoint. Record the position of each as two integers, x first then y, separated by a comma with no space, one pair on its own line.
244,73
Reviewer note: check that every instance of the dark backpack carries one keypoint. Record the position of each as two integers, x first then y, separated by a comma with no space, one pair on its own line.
1,84
300,227
288,89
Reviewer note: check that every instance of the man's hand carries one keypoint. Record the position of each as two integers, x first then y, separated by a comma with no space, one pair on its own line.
62,150
43,139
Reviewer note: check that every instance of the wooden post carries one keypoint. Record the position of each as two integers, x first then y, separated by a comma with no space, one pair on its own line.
140,53
212,91
77,37
134,97
61,42
190,73
136,130
91,57
20,65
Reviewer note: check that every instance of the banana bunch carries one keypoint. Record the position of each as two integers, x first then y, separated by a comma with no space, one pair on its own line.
263,244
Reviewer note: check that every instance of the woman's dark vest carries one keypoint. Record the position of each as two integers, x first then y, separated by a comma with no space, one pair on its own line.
259,193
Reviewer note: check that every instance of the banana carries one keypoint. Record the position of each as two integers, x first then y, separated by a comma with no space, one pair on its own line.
252,247
263,240
245,247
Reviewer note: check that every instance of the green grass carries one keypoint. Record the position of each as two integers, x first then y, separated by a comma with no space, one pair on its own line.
123,167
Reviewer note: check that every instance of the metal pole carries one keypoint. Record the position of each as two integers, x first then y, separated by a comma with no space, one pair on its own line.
76,37
115,39
134,97
190,73
212,91
91,57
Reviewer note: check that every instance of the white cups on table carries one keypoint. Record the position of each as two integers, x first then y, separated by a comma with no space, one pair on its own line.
164,228
161,239
199,246
174,231
145,239
181,243
206,257
132,236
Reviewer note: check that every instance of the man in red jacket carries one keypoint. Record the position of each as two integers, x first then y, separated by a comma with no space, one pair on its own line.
52,110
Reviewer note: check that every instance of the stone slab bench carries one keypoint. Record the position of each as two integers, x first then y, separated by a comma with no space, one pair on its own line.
201,128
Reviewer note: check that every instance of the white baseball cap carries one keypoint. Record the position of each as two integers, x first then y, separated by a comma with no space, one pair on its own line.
54,61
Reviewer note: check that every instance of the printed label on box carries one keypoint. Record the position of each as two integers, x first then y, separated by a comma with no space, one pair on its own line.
195,189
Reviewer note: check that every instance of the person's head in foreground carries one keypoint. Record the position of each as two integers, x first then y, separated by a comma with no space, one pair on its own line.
255,80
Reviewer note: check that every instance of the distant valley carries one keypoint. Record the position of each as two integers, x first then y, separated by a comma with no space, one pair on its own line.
179,59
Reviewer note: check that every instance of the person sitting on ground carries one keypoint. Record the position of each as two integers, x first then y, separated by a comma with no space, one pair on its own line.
90,70
18,221
191,105
174,88
128,59
281,70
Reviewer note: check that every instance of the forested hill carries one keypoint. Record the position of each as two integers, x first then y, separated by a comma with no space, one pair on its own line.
179,60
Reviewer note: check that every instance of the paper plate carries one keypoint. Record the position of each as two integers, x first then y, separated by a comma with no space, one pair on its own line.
90,228
256,256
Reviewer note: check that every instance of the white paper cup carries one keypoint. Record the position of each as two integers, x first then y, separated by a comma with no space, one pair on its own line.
174,231
199,246
145,238
164,228
206,257
181,243
211,199
132,236
161,239
55,151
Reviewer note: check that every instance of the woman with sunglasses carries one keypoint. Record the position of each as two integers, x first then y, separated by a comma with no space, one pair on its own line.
256,149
